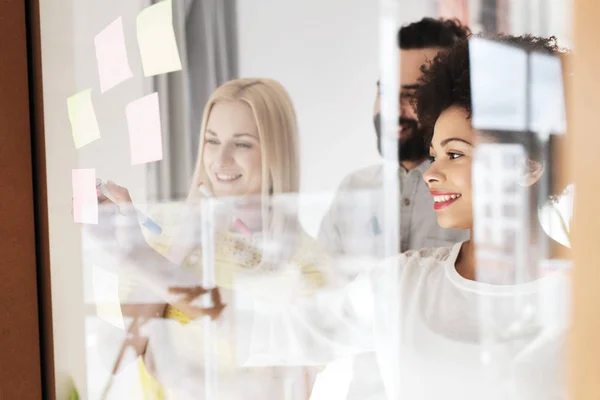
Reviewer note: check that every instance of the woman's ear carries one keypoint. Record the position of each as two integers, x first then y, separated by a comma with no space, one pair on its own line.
534,169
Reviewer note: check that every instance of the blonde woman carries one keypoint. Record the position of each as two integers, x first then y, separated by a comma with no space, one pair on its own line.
249,150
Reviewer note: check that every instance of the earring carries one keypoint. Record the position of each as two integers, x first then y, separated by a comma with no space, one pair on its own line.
533,171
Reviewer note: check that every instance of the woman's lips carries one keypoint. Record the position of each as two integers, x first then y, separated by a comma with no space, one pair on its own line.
442,200
227,177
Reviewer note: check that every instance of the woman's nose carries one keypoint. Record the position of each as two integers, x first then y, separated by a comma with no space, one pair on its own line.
225,155
433,175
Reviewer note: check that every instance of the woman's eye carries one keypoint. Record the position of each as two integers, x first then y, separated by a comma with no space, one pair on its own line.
454,156
212,141
431,159
244,145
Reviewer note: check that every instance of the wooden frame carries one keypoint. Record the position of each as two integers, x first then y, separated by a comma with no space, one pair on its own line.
20,373
48,385
583,111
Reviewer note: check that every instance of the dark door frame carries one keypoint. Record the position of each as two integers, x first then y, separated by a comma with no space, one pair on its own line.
38,148
26,364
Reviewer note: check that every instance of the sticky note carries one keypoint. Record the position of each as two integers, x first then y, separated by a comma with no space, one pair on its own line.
145,131
156,38
333,382
85,200
84,124
498,85
556,216
111,56
548,114
106,295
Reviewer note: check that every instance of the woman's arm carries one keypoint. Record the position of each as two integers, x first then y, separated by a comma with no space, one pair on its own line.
172,283
316,328
120,233
280,325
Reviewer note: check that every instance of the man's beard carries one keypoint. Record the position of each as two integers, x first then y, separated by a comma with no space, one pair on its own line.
412,146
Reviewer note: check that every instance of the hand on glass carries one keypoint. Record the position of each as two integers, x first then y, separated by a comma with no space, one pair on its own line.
117,227
111,192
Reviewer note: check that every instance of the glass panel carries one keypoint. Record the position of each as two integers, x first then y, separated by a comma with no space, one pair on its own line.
378,212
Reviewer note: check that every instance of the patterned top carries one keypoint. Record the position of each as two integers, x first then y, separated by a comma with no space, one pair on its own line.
236,254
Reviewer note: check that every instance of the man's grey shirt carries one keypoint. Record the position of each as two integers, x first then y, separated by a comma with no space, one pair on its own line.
356,225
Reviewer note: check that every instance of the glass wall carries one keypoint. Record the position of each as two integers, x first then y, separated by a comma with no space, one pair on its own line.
299,200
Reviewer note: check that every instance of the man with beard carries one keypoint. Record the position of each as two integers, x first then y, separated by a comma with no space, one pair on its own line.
354,225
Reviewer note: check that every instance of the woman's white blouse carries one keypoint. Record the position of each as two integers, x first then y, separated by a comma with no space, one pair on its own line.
435,334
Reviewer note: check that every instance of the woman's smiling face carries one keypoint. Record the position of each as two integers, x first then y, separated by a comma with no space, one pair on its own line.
449,177
232,152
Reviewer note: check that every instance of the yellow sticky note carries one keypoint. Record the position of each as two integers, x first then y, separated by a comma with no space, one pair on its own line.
156,38
106,295
84,124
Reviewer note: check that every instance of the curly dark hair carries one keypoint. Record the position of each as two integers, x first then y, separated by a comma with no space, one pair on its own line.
446,82
430,32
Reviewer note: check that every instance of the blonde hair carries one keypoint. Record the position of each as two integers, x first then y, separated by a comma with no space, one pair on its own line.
275,119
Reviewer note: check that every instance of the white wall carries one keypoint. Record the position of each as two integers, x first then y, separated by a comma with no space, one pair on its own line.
411,11
544,18
68,28
326,55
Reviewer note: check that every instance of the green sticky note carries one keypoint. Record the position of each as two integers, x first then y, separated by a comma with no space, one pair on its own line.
74,394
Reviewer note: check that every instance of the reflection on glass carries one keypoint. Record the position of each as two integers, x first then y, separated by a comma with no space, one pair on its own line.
237,284
262,329
504,330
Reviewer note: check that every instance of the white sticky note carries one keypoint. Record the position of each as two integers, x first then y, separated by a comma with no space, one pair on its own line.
85,200
145,131
111,56
84,124
556,216
156,38
498,85
106,296
548,113
333,382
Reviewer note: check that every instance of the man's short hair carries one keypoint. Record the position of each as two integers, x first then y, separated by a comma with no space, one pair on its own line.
431,32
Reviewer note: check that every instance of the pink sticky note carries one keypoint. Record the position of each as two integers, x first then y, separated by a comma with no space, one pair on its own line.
145,131
85,200
111,56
